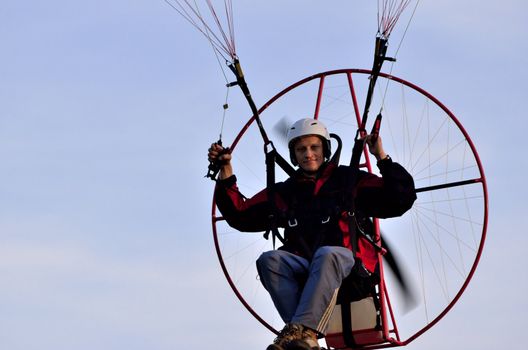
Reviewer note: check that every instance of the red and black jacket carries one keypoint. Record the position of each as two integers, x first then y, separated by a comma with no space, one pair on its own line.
318,212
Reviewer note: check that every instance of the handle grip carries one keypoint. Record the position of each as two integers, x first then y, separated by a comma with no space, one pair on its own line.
374,133
214,166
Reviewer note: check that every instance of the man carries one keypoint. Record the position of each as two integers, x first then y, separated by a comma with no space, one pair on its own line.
323,209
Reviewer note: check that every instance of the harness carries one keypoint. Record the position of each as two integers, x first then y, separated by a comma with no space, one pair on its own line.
272,158
311,220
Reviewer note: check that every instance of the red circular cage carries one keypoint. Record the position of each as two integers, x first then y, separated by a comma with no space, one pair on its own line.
440,239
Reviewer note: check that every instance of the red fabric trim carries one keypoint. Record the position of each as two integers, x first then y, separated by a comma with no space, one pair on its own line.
367,254
241,203
366,251
324,177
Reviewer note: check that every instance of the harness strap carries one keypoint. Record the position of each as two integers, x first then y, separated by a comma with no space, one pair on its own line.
346,322
352,231
359,144
354,227
380,52
241,82
337,152
271,156
368,237
349,197
283,163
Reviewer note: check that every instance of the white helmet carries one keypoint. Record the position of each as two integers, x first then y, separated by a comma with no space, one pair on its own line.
305,127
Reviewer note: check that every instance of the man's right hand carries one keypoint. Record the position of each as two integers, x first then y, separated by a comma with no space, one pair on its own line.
221,156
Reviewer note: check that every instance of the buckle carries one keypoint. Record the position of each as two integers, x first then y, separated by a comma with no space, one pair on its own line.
292,222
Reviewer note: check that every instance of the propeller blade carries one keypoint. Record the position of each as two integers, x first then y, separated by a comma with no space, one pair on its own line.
280,129
399,271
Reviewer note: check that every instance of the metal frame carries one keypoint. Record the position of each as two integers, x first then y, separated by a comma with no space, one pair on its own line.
390,330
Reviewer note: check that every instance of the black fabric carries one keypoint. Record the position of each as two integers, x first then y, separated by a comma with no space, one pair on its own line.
297,199
270,187
346,321
313,220
358,285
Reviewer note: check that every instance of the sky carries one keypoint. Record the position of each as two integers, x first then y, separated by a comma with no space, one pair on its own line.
107,109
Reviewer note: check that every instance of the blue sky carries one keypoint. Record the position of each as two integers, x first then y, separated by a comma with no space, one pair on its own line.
106,112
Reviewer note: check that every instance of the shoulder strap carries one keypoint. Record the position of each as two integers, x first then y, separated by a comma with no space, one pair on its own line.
349,205
272,158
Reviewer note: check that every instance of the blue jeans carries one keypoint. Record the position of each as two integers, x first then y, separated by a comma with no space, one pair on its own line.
305,291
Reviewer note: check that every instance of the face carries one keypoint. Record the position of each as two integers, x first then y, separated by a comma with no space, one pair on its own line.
309,153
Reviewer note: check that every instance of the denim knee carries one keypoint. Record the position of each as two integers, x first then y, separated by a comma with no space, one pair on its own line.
339,257
326,254
267,260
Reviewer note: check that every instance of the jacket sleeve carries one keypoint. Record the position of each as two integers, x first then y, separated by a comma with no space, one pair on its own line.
389,196
241,213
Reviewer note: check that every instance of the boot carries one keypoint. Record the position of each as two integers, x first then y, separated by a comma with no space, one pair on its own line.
308,341
290,332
